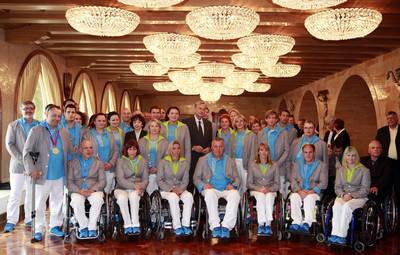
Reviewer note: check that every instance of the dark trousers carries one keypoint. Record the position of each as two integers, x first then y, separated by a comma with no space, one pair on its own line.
195,157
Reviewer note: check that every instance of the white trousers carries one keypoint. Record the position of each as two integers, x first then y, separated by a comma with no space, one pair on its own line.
308,207
264,206
243,176
123,196
342,214
283,186
152,186
173,201
110,182
78,204
54,190
18,183
232,197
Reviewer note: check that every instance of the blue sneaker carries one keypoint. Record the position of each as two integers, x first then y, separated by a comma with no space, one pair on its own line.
341,240
225,233
216,232
57,232
38,236
305,228
332,239
294,227
268,230
188,231
83,233
9,227
92,233
260,230
28,224
135,230
179,231
127,231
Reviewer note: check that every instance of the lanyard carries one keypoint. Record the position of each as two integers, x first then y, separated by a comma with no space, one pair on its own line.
54,141
264,168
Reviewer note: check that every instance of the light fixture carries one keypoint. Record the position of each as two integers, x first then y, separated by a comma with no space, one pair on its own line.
258,87
102,21
343,24
243,77
231,91
214,69
253,62
148,69
189,89
151,3
170,43
164,86
210,96
268,44
184,77
177,61
307,4
222,22
281,70
232,84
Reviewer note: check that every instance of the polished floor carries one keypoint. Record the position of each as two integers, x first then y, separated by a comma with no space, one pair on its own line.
18,242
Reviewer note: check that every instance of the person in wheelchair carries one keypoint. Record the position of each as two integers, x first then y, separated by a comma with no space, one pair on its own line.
381,170
307,179
352,186
86,181
215,177
132,179
263,183
173,178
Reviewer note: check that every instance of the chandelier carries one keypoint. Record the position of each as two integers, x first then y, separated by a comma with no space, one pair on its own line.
222,22
307,4
231,91
148,69
177,61
189,89
232,84
151,3
242,77
102,21
170,43
270,45
164,86
343,24
281,70
184,77
210,91
257,87
214,69
252,62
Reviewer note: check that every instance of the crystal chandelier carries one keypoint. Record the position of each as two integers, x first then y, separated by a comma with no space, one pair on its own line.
148,69
231,84
270,45
177,61
242,77
214,69
102,21
210,91
281,70
184,77
231,91
257,87
189,89
170,43
343,24
151,3
222,22
307,4
252,62
164,86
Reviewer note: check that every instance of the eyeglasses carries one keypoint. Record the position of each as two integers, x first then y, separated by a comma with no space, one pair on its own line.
28,108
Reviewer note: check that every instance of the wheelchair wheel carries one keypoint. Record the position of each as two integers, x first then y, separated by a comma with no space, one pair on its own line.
155,212
144,215
390,213
369,223
320,238
245,212
359,246
196,211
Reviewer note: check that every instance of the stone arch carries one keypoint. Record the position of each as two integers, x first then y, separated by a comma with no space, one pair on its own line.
308,108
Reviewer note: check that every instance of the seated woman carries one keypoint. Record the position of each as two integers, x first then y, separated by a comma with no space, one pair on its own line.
173,178
352,185
132,179
307,179
263,183
86,180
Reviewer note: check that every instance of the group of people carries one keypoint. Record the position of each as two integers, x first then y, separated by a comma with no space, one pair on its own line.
127,156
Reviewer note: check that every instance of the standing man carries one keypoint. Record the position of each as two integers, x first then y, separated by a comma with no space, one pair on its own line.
16,135
155,114
126,120
300,130
330,133
342,136
75,130
289,128
200,131
52,143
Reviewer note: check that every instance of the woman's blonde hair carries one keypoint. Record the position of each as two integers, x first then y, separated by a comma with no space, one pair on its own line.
350,150
266,147
239,116
171,145
154,121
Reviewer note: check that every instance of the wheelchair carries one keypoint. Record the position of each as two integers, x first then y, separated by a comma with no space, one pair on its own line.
389,212
116,225
161,218
249,216
364,227
71,226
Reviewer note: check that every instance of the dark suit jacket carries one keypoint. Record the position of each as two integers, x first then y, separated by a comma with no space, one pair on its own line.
344,139
381,172
195,137
326,136
383,136
132,136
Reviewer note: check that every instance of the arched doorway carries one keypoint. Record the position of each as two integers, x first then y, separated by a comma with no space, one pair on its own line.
356,107
282,105
308,108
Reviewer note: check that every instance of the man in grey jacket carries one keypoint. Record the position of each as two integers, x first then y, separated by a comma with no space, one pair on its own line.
52,143
216,176
16,135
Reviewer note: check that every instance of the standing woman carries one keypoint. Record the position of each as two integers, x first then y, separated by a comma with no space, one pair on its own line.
225,132
233,113
173,179
114,129
263,183
352,186
132,179
104,147
137,122
242,148
153,147
173,129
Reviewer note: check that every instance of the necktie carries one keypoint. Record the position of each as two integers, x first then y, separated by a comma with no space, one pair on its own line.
200,128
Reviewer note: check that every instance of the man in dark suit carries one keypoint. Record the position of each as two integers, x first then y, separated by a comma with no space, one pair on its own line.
330,133
201,135
389,136
341,136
